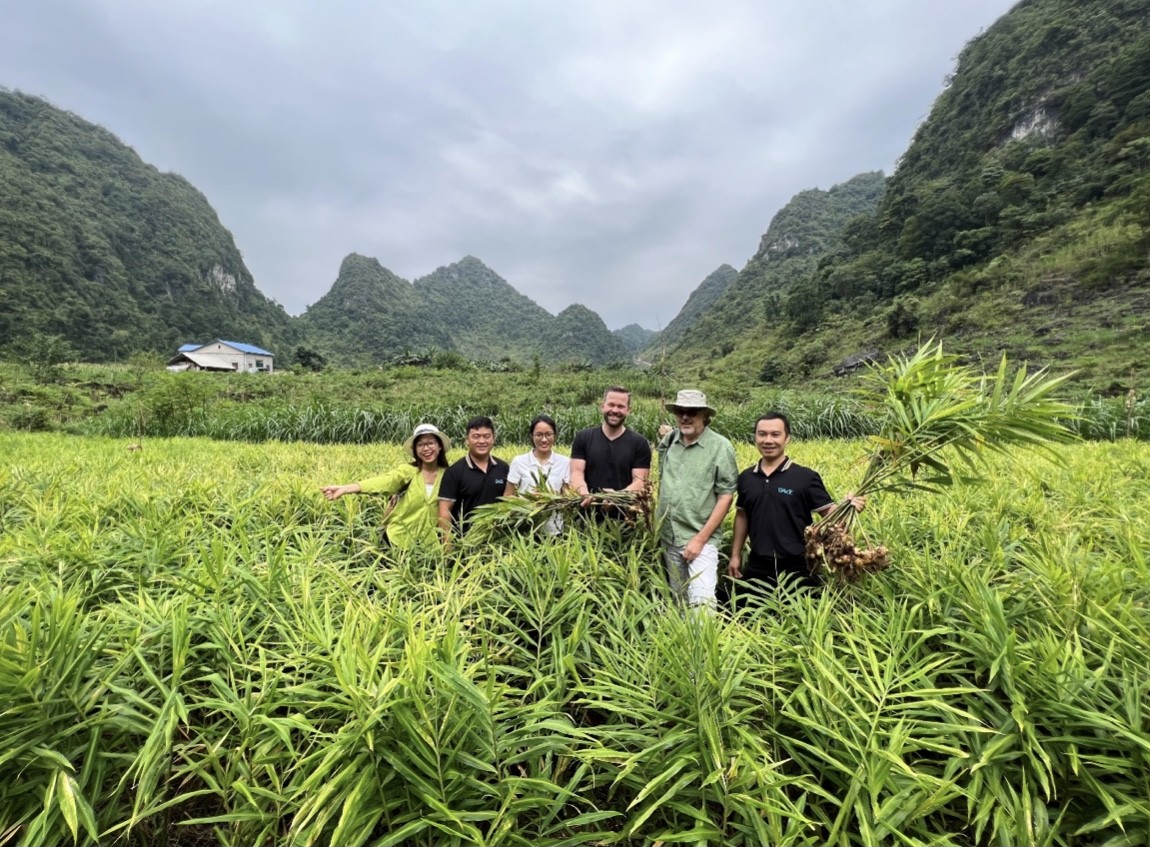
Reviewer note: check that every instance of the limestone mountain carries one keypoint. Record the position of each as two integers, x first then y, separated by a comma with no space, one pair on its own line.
484,316
699,301
728,309
634,337
577,333
106,251
369,314
1017,221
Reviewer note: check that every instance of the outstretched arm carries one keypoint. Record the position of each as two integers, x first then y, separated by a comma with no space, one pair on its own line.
334,492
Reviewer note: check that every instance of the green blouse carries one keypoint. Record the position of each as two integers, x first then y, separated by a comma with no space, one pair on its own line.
415,520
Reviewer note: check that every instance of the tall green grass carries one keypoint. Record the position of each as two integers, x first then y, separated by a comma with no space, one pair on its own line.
345,407
196,648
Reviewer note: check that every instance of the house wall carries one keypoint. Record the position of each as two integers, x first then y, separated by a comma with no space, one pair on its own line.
235,359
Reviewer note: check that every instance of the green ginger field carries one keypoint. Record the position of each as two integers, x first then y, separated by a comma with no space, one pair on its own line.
196,648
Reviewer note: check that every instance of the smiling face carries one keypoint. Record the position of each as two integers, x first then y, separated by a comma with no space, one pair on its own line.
616,406
427,449
480,441
543,437
771,438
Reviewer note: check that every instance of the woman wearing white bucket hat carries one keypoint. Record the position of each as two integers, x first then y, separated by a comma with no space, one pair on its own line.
413,521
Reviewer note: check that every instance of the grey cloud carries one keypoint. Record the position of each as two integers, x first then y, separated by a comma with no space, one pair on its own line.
603,153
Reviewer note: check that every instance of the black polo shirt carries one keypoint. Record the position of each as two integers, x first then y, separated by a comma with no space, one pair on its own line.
610,463
779,507
468,487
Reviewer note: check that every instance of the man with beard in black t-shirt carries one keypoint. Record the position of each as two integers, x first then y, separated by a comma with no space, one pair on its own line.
610,457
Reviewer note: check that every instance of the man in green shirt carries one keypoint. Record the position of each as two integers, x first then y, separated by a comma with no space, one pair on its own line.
697,478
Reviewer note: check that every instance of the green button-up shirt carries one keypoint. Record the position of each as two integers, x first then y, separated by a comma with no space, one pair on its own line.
691,480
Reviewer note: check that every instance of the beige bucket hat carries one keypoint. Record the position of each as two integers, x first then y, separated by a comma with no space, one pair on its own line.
689,398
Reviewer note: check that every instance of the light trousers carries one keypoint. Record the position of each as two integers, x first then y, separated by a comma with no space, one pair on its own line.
693,582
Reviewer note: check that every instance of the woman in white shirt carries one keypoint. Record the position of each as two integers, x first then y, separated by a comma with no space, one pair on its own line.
540,466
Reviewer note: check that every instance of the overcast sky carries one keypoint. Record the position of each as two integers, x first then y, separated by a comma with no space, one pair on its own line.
604,152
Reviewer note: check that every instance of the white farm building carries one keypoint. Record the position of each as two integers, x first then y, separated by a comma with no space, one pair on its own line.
222,356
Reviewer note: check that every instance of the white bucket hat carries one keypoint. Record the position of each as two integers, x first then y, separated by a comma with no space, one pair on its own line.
429,429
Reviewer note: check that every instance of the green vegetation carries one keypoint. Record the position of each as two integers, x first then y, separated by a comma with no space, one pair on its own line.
702,298
464,311
810,225
1016,222
634,337
196,648
368,315
107,252
115,258
385,404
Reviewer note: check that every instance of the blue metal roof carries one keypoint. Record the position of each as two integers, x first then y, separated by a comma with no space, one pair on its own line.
247,348
239,345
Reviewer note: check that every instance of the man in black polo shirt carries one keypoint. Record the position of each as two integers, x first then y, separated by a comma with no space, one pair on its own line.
610,457
775,498
475,480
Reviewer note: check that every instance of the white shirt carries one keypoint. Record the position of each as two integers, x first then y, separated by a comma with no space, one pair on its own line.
526,472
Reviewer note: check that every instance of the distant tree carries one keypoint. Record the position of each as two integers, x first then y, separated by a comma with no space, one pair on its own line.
43,355
902,317
309,359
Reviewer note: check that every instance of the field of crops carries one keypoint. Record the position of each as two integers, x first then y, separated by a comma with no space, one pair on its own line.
196,648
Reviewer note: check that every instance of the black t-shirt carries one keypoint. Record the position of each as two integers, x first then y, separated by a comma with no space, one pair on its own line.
610,463
779,507
469,487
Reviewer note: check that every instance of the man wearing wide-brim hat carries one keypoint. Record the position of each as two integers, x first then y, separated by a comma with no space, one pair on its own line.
697,478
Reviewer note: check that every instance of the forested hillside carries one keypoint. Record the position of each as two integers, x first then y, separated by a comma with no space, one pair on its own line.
1018,220
371,316
634,337
107,255
801,232
701,299
102,249
484,316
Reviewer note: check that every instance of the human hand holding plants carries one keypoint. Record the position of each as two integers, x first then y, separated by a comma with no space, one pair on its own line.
933,411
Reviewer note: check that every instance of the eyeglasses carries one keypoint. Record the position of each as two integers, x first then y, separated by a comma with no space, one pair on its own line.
686,413
544,436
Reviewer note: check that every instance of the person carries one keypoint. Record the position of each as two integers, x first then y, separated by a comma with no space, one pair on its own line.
413,522
610,457
475,480
540,465
697,476
775,499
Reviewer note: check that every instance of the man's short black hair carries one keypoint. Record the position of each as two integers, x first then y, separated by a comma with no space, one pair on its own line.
775,416
480,422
